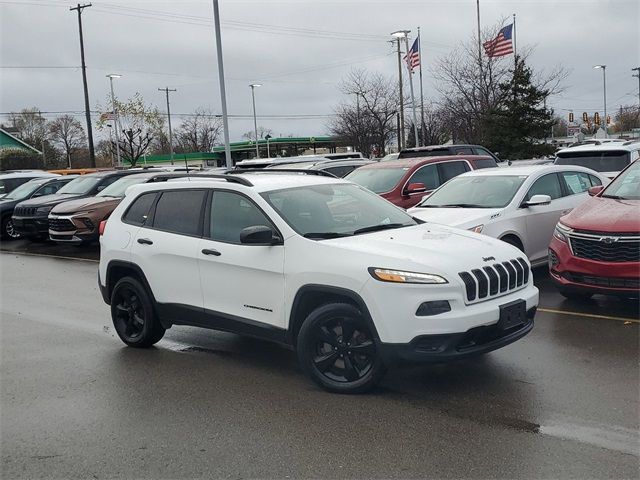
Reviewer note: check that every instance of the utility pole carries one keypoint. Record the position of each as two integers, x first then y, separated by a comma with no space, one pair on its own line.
167,90
604,94
637,75
255,119
92,153
116,116
223,93
44,128
401,127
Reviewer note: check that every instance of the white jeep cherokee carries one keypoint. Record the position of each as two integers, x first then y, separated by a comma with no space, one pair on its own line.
352,282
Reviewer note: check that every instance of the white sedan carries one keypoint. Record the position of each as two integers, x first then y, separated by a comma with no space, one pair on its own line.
519,205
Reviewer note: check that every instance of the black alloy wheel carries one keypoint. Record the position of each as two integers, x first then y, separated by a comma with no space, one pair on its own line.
8,230
338,350
133,316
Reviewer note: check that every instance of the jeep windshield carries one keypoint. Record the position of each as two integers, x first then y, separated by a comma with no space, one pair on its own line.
335,210
607,161
117,188
476,191
379,180
26,189
80,186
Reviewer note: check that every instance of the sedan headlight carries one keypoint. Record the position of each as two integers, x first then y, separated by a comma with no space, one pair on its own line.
43,210
561,231
399,276
476,229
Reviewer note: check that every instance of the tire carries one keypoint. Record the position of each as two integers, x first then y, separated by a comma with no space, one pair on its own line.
8,232
133,315
513,241
337,349
574,295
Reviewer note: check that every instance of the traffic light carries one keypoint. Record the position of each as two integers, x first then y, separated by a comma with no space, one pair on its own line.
608,119
570,117
596,118
585,117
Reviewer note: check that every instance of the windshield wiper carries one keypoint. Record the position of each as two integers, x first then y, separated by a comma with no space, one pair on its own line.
615,197
324,235
376,228
463,205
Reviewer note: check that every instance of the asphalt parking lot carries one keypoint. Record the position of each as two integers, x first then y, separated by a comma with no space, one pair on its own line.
77,403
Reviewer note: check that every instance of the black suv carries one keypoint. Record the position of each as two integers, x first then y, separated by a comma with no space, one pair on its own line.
34,188
438,150
30,218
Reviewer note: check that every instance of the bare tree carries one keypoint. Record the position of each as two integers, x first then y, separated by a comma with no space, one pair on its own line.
138,123
67,133
367,120
199,132
469,82
30,126
626,119
262,132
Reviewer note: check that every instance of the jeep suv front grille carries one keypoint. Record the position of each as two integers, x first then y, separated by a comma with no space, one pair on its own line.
495,280
24,211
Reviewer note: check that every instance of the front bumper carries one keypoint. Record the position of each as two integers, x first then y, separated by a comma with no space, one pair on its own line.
31,226
591,276
454,346
71,229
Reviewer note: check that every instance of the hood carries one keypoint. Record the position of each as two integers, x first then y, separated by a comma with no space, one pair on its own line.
7,204
456,217
600,214
49,200
440,247
85,204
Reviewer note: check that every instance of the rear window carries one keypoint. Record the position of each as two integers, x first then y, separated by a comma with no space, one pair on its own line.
139,209
607,161
485,163
425,153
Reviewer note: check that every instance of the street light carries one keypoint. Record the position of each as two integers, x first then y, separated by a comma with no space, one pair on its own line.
604,89
111,76
255,121
399,34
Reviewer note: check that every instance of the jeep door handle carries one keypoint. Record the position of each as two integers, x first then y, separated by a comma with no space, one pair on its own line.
145,241
211,251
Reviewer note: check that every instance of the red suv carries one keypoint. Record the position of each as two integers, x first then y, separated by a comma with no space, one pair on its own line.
596,247
405,181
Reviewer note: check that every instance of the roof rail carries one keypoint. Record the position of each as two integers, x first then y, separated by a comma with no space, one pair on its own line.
320,173
197,176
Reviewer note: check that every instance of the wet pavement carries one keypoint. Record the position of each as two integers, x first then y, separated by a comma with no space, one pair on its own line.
76,403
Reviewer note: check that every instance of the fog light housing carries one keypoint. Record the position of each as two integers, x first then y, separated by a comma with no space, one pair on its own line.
553,260
434,307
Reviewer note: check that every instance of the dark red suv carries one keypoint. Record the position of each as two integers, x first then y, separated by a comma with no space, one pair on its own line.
596,247
405,181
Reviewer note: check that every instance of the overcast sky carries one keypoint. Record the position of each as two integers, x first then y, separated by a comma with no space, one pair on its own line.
298,49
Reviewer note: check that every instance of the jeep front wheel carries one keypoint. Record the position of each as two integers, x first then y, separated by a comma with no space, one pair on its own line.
338,350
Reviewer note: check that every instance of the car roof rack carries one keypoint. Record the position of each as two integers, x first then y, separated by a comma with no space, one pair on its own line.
198,176
320,173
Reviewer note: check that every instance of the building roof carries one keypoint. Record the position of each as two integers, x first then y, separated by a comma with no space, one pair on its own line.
7,140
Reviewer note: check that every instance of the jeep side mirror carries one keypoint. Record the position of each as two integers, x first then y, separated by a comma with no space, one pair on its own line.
416,187
537,200
593,191
259,235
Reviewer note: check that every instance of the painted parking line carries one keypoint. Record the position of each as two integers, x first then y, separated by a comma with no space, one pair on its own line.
588,315
9,252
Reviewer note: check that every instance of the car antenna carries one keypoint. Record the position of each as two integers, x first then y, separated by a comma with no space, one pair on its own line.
187,167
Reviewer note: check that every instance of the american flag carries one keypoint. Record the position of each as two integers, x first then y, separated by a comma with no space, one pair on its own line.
501,45
413,56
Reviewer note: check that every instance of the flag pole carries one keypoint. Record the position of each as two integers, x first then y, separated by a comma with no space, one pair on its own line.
515,50
421,93
413,98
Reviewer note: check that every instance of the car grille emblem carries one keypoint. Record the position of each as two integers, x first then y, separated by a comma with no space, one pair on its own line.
609,240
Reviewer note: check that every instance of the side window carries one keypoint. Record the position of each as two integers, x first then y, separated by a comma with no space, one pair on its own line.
464,151
546,185
179,211
449,170
482,151
139,210
340,172
594,180
48,189
231,213
427,175
576,182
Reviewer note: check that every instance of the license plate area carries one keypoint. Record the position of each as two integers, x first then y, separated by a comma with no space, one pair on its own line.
512,314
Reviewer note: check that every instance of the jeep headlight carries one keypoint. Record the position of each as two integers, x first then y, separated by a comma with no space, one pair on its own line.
44,210
400,276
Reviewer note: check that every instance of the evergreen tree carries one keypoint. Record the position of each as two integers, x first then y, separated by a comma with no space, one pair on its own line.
517,124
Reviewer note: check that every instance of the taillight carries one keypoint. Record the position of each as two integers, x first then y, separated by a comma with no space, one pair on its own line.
103,224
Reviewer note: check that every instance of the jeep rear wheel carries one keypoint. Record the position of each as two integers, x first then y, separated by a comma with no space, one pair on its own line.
133,315
338,350
8,231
